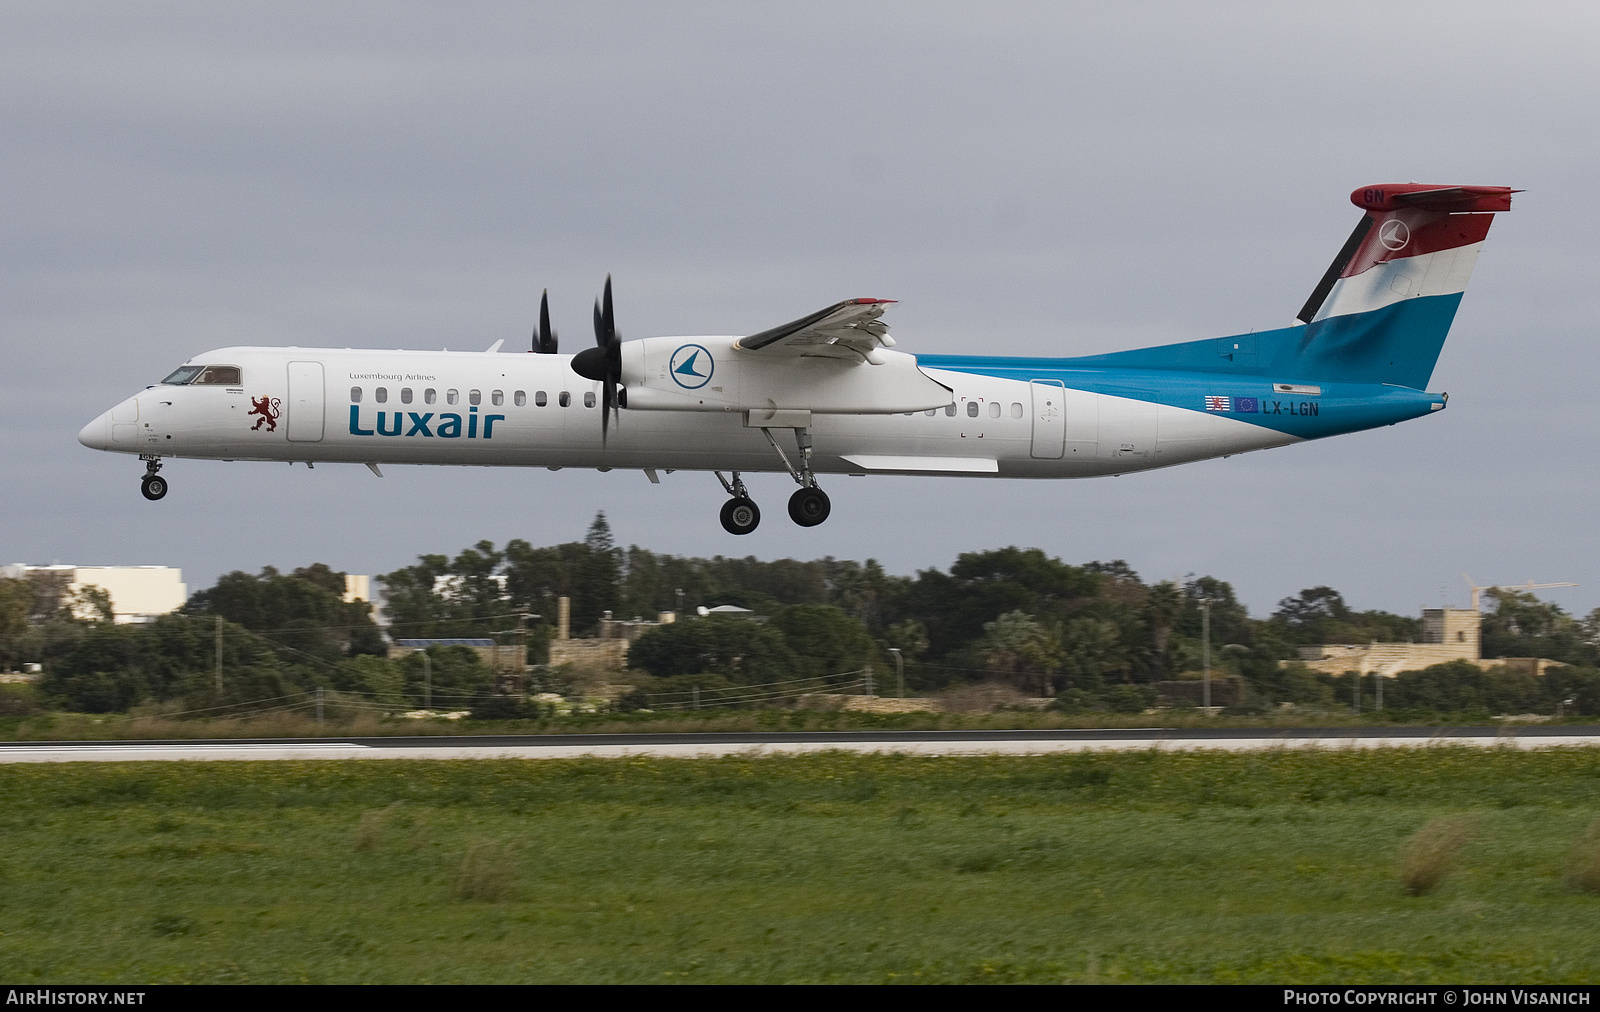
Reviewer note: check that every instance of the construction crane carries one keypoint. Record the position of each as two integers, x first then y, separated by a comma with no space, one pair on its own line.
1524,587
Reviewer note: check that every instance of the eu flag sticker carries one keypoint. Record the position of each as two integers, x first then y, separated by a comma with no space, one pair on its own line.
1246,405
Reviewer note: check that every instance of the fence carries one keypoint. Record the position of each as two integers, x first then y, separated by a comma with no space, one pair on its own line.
697,698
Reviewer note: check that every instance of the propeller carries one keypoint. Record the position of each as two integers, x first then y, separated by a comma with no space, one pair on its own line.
544,339
603,362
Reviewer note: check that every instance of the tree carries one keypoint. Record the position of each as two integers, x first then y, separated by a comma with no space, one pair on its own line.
1320,615
982,586
1161,610
16,604
744,651
1303,618
1521,625
1092,649
304,612
595,583
826,640
1022,650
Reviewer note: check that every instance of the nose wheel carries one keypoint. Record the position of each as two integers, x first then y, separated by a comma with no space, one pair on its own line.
152,485
740,516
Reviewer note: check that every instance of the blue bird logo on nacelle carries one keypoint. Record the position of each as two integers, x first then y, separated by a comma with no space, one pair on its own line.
691,366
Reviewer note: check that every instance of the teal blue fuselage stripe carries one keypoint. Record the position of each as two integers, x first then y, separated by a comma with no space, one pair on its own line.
1397,344
1370,368
1338,409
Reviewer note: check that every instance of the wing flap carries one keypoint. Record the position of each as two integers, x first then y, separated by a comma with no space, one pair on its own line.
854,324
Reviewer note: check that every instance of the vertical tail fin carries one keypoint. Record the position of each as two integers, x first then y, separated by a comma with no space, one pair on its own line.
1382,310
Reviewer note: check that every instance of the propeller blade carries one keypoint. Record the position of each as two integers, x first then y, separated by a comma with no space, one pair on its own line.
603,362
544,340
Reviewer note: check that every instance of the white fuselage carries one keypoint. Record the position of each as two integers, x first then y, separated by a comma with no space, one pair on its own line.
522,410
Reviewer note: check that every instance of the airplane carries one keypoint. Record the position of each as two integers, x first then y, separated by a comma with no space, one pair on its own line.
1358,356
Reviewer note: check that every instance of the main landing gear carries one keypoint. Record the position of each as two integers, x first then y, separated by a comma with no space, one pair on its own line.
152,485
808,507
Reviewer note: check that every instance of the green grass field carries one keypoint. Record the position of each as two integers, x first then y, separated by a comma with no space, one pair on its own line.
1194,867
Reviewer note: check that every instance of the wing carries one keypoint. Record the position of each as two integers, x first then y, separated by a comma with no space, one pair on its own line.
849,326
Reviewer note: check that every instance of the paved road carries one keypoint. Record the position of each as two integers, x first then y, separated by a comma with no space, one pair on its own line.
566,746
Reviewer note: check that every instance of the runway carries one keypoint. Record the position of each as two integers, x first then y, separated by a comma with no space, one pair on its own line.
570,746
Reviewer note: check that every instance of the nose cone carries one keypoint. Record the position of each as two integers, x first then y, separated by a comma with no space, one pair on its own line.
97,434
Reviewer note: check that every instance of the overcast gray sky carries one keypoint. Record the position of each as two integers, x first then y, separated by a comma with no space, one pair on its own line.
1030,179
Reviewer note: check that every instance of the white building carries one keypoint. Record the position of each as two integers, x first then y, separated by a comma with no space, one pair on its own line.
357,588
138,593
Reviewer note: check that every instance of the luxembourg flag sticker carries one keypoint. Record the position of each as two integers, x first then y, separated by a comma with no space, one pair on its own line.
1219,403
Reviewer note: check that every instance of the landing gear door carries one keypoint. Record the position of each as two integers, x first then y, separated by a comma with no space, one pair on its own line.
305,402
1049,419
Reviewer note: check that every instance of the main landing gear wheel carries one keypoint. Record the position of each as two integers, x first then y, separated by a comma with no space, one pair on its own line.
740,515
809,506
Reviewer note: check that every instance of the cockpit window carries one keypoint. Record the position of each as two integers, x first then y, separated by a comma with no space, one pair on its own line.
183,374
220,376
205,375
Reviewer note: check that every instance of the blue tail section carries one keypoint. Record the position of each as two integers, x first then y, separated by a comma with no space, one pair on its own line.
1398,344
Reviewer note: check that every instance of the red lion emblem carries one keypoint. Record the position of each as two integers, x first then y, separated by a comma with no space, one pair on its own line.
268,409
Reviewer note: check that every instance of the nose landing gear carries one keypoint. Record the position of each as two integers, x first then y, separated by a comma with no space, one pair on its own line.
152,485
739,515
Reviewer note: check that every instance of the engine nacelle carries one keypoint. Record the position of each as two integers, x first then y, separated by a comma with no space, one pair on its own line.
712,374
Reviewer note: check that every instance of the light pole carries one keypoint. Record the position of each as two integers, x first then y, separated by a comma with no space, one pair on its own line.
427,679
1205,653
899,670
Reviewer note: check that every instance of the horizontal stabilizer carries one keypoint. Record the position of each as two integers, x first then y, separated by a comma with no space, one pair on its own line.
1453,199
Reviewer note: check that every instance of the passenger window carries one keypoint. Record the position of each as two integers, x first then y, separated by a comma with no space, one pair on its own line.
540,399
521,398
565,399
994,409
451,397
355,395
950,410
474,397
972,409
1016,409
220,376
429,396
381,395
497,398
405,395
588,399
